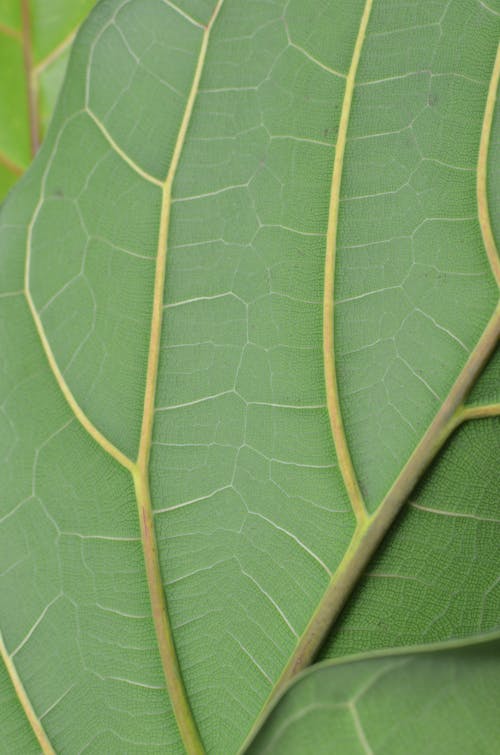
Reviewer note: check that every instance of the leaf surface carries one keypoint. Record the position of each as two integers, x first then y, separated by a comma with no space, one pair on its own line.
441,700
230,205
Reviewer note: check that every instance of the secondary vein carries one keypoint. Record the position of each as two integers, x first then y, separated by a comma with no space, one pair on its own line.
25,702
482,172
77,410
332,394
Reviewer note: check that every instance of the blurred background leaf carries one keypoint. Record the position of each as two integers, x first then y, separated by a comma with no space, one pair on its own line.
35,40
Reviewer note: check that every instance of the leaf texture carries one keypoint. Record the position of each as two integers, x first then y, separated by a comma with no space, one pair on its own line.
232,202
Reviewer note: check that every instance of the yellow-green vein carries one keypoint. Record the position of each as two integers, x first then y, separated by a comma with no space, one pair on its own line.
481,411
482,172
173,676
332,394
25,702
75,407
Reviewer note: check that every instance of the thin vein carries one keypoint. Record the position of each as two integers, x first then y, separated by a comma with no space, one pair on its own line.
10,32
482,172
75,407
11,166
183,13
332,394
359,728
54,54
453,514
118,150
25,702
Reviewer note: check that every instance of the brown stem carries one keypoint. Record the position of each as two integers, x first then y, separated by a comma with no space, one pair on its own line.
30,88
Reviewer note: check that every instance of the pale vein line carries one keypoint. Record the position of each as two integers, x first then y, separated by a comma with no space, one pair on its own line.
57,701
294,538
25,702
482,172
454,514
487,8
119,151
359,728
332,394
314,60
271,600
183,13
35,625
54,54
200,499
250,656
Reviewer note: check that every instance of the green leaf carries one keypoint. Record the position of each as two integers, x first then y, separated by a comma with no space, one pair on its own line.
35,37
440,699
234,202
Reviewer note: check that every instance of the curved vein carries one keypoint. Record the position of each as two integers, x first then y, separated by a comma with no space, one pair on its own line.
11,166
173,676
120,152
75,407
482,172
332,394
25,702
52,56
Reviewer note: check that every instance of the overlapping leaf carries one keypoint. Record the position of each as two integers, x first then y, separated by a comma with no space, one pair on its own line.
35,37
441,700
